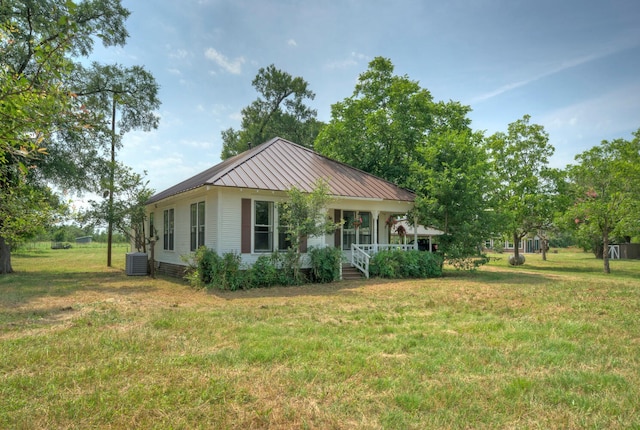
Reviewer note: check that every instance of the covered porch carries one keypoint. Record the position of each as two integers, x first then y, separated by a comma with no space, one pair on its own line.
365,233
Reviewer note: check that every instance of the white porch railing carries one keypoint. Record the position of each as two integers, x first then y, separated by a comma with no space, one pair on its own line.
361,254
360,259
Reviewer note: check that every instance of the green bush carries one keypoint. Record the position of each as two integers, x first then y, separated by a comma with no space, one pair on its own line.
264,272
409,264
325,264
210,270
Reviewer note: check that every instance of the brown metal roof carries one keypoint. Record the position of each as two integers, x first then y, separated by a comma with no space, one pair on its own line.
278,165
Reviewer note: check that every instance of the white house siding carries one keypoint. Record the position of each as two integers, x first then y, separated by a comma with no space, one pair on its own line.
230,225
223,207
181,204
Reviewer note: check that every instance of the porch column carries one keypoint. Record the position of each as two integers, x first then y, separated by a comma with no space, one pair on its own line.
415,233
375,230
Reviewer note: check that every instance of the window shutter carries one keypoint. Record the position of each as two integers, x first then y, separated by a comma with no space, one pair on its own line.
303,245
245,232
338,234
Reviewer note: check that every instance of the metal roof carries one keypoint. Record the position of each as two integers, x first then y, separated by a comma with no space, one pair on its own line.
278,165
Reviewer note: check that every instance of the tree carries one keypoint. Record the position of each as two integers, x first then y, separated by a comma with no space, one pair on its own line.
551,209
280,110
305,215
39,41
379,128
606,186
523,180
450,177
108,90
38,207
127,208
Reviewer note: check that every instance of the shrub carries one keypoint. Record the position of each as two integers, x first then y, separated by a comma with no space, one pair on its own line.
325,264
409,264
210,270
264,272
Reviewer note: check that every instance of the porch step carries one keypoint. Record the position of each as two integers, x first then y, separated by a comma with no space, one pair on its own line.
350,273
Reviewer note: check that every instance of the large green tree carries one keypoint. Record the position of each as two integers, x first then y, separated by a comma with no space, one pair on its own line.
280,110
606,183
391,127
450,177
524,182
40,42
121,99
387,118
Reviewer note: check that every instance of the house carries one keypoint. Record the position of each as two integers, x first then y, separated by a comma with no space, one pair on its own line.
401,233
232,207
526,245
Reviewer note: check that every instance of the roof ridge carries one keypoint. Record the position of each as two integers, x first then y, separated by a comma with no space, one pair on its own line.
243,157
348,166
240,171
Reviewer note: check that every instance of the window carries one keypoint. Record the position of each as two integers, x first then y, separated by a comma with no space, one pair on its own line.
168,229
263,227
352,219
197,225
284,241
348,229
364,232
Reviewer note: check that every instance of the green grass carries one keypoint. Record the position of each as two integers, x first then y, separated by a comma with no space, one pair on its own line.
552,344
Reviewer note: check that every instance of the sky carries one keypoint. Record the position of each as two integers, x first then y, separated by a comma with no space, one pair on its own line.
573,65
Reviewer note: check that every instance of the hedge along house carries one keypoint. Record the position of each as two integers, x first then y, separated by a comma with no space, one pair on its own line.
232,207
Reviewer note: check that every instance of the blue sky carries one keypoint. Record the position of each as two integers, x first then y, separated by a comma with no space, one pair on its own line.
573,65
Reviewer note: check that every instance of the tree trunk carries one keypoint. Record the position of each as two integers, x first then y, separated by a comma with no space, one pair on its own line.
152,268
605,250
544,249
516,246
5,257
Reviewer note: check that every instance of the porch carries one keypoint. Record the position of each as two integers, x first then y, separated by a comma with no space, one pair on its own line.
361,254
364,234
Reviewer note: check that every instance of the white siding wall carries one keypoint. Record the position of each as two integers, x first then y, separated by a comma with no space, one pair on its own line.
224,221
231,222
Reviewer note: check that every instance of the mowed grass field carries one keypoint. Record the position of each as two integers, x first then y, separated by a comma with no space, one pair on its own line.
552,344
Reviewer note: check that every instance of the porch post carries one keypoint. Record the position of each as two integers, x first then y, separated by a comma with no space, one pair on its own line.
375,230
415,233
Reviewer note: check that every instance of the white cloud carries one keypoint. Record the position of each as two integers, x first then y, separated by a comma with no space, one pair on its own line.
562,66
232,66
353,60
174,71
619,107
199,144
292,42
178,54
580,126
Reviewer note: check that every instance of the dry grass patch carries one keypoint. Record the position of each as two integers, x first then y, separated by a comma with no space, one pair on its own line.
83,346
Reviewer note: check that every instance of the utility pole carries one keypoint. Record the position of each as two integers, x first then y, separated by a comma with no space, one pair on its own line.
111,180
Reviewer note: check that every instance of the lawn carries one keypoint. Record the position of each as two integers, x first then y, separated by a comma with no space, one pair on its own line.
552,344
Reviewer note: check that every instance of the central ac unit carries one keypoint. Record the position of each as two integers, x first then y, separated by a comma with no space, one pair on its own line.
136,264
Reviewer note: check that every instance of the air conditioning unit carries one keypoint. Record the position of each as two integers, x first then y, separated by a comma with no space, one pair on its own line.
136,264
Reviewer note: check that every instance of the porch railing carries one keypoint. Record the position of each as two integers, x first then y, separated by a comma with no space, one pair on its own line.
361,254
360,259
